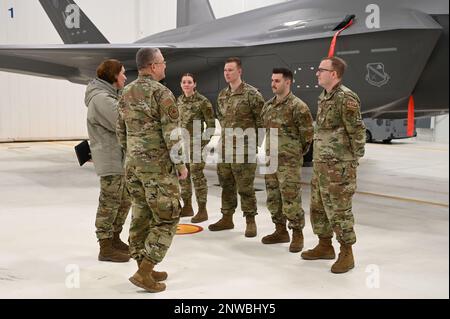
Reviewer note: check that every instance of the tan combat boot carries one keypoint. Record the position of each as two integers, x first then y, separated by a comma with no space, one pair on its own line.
187,210
109,253
143,278
323,250
119,244
250,229
280,235
296,245
226,222
157,275
202,214
345,260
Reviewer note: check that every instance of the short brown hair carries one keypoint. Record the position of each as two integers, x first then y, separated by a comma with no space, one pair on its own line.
338,64
235,60
109,70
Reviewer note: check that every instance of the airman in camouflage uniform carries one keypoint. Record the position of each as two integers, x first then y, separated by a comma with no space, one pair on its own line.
238,107
194,107
148,115
339,141
293,120
101,98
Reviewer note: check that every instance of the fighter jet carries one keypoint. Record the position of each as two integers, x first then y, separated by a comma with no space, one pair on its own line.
397,51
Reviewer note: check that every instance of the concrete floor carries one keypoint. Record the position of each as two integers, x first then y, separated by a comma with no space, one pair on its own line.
48,247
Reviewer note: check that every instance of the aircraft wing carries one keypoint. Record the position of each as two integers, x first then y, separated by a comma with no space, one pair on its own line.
76,63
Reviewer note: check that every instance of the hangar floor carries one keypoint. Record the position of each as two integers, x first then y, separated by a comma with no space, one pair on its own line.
47,212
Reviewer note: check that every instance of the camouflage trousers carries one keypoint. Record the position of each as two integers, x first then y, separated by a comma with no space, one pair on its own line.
284,197
332,188
199,181
237,178
113,206
155,214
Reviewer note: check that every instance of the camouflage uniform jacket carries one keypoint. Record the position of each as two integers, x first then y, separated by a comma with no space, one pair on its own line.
340,134
294,122
148,115
240,109
195,107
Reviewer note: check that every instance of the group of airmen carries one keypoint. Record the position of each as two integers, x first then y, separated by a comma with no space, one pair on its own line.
148,113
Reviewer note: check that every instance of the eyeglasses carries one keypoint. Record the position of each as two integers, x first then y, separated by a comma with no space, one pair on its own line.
320,70
163,62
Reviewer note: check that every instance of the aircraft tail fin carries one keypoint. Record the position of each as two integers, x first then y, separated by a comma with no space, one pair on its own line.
191,12
73,26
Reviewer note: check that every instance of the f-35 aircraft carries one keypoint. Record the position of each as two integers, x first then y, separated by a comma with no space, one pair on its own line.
395,49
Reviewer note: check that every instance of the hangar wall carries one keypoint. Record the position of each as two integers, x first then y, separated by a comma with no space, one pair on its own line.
440,125
34,108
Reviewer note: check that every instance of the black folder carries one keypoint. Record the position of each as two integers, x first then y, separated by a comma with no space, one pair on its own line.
83,152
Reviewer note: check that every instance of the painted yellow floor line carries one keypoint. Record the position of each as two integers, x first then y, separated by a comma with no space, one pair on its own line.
405,199
68,143
413,200
423,148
